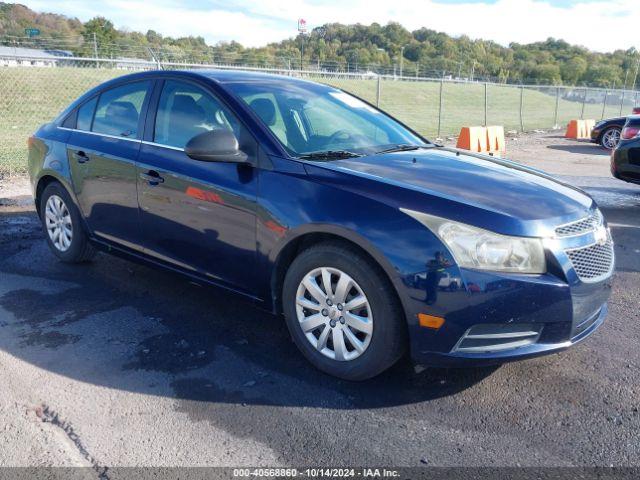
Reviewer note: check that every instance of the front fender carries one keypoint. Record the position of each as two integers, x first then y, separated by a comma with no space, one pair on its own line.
293,206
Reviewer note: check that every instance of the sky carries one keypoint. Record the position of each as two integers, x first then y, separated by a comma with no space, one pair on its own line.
601,25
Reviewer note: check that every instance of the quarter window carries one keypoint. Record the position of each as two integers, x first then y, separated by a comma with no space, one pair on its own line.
118,110
85,114
186,110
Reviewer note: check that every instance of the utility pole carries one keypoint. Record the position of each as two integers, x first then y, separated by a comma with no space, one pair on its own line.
401,59
473,70
635,75
604,103
95,46
626,76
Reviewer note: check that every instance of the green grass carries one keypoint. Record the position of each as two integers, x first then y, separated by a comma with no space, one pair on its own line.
30,97
417,104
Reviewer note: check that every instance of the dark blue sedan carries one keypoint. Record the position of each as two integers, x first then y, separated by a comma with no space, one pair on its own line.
371,240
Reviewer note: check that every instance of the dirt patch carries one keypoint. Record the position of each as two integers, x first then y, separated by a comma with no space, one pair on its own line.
15,194
551,152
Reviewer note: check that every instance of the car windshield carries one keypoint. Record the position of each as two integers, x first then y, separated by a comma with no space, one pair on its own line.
322,123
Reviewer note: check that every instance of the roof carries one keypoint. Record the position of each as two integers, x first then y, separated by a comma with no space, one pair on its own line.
25,52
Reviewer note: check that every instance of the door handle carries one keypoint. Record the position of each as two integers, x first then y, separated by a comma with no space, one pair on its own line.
80,156
152,177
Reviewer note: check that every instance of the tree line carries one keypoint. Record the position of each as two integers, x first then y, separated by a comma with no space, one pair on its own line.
379,48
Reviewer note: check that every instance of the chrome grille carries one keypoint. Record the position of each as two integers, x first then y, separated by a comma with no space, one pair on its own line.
592,262
580,227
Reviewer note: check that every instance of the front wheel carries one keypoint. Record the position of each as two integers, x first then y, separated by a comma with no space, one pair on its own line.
342,312
610,138
62,225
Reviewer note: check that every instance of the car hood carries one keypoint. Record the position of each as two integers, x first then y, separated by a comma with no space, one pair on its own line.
481,182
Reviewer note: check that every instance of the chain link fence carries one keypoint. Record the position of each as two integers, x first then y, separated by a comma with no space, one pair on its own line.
33,91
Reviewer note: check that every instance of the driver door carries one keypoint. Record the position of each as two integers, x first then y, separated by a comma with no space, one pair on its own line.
199,216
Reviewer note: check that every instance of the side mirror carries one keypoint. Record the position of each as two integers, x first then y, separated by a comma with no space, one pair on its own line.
215,146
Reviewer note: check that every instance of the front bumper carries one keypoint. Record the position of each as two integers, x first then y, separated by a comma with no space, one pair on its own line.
559,306
537,349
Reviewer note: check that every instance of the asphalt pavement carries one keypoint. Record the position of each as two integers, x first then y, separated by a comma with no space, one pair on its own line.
116,364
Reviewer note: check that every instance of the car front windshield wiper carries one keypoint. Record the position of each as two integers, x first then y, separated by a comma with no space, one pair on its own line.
330,155
403,147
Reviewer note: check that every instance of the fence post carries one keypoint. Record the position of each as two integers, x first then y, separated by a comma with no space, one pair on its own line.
555,113
440,108
521,106
604,104
622,101
485,104
378,89
584,100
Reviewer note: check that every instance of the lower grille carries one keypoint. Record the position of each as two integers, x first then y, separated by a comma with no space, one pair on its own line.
485,338
593,262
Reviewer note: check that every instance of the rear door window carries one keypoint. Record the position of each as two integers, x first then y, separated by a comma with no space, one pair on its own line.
118,110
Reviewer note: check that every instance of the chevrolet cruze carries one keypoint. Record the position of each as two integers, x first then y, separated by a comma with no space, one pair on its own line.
369,239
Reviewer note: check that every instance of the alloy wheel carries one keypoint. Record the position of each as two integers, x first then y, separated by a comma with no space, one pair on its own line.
334,314
611,138
58,223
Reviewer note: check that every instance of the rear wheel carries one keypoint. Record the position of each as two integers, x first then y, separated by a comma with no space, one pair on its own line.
610,138
62,225
342,313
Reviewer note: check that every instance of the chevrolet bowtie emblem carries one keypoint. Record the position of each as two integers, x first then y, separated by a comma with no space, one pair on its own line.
601,235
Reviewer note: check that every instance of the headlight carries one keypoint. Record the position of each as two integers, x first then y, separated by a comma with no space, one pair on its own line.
474,247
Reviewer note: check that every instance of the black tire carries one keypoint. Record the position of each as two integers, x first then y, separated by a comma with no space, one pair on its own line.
79,249
604,134
389,335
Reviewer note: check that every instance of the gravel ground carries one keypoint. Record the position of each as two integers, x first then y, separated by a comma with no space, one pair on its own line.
117,364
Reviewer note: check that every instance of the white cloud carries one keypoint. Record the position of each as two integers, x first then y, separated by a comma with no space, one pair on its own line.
600,25
169,18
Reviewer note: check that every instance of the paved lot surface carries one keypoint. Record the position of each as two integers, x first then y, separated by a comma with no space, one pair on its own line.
113,363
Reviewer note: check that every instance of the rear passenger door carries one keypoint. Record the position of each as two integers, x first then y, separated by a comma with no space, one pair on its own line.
197,215
102,150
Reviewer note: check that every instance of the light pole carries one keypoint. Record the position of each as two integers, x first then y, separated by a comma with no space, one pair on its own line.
302,29
635,75
381,50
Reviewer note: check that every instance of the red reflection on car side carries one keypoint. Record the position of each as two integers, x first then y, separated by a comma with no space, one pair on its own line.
204,195
274,227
